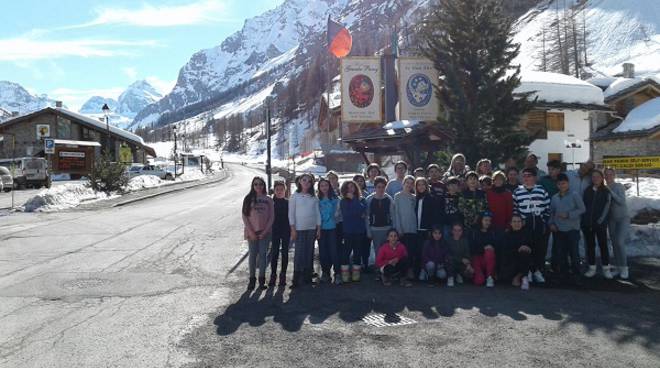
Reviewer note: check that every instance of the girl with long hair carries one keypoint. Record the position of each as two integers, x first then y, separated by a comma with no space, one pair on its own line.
305,222
258,215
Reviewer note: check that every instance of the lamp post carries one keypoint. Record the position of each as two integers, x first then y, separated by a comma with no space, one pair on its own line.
269,173
573,146
106,113
174,133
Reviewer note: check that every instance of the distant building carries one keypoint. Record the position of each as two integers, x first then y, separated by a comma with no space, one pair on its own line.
78,140
568,110
634,130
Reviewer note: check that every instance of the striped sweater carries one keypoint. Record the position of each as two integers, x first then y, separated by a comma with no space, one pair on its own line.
530,203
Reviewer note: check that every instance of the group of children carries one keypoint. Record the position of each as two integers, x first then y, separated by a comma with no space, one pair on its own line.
439,227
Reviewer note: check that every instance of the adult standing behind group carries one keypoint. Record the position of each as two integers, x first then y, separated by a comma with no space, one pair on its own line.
395,185
457,168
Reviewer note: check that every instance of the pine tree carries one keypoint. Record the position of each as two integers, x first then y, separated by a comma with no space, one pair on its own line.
470,43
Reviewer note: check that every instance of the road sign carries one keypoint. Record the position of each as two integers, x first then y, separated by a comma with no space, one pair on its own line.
638,162
49,146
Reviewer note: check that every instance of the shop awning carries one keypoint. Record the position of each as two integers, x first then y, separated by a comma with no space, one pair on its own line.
66,142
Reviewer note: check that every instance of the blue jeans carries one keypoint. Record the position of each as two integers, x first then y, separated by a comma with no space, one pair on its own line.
328,251
258,250
567,246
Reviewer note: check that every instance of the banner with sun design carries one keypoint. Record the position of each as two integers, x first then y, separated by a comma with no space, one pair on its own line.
360,90
417,100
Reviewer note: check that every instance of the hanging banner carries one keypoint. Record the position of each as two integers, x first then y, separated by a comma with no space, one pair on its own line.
360,90
417,100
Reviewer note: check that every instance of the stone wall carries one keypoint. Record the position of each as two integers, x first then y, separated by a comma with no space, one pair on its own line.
642,146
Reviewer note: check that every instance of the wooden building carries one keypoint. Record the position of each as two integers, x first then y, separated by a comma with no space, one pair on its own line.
78,139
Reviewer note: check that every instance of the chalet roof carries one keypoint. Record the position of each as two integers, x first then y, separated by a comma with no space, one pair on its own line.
396,136
626,86
84,120
607,132
572,106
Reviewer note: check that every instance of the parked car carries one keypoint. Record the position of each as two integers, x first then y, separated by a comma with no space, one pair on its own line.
29,172
158,171
6,180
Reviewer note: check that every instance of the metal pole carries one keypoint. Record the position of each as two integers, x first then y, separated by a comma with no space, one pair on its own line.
175,170
13,167
637,175
107,127
268,158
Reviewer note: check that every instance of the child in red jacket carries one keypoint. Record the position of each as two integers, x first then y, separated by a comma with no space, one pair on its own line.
500,202
392,259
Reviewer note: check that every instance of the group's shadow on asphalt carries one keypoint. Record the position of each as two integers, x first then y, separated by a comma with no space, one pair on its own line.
624,310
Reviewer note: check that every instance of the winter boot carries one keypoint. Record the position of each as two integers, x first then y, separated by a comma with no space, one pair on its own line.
273,279
356,273
252,283
262,283
345,273
623,273
607,273
295,282
591,272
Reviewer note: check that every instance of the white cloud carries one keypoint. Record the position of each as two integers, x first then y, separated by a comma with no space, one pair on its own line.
26,48
75,98
130,72
162,86
208,11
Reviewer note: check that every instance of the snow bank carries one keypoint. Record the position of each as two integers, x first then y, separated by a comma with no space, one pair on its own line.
649,194
62,197
554,87
642,117
143,182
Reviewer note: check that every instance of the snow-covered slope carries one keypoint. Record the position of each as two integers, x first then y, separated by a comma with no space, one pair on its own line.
95,104
618,31
264,43
13,97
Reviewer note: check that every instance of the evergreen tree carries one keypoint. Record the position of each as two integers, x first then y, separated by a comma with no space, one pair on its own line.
470,43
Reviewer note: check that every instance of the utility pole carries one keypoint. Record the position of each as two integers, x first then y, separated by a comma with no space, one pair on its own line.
268,158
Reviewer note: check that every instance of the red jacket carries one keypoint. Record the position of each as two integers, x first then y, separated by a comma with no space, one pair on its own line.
500,202
386,254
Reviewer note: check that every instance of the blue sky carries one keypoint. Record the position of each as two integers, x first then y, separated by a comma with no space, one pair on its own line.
73,49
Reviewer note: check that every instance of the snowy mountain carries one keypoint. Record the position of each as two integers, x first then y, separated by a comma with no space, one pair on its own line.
136,97
13,97
122,111
264,43
95,104
617,32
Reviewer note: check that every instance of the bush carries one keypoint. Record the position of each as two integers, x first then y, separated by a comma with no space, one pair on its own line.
108,176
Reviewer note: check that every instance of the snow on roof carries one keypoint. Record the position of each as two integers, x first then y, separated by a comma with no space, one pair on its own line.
642,117
101,125
621,84
554,87
602,82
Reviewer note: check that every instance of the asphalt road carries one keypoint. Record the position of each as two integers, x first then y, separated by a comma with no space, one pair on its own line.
149,285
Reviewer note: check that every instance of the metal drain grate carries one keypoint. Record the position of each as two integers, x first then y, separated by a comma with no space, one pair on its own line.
387,320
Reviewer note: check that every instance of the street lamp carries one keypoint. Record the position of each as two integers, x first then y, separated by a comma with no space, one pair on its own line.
106,113
573,146
174,133
269,173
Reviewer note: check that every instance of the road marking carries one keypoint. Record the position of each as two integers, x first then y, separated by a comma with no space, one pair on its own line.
387,320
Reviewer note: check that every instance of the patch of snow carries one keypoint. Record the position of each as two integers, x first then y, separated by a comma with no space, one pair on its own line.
642,117
554,87
401,124
649,194
62,197
141,182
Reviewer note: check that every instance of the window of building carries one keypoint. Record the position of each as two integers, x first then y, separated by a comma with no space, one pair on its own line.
89,134
555,156
535,124
63,128
555,121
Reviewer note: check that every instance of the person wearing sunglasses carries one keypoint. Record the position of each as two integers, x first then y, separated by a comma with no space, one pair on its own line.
258,216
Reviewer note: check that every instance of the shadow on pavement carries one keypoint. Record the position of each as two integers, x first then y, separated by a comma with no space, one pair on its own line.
624,310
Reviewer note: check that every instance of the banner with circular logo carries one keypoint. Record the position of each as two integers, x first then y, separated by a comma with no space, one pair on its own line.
417,100
360,90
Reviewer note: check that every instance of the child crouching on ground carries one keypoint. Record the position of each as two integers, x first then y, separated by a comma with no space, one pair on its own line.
392,260
517,252
437,263
459,254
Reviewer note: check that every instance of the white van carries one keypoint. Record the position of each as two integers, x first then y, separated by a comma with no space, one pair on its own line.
29,172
